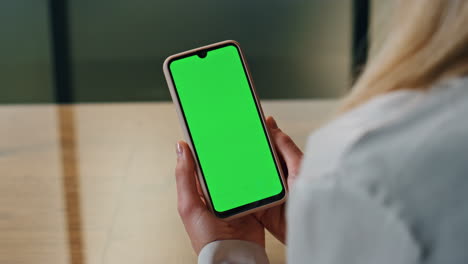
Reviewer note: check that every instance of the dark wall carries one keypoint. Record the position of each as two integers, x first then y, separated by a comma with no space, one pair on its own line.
295,48
25,65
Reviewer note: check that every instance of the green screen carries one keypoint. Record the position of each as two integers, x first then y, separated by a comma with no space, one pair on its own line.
226,128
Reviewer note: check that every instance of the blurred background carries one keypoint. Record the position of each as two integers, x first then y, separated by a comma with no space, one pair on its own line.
79,182
66,51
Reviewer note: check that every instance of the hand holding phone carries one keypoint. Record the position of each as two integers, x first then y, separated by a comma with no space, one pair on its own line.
236,163
203,227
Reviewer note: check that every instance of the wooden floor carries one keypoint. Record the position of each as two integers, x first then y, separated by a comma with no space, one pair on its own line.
94,183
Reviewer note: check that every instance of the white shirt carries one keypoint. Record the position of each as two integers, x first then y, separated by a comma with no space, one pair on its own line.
384,183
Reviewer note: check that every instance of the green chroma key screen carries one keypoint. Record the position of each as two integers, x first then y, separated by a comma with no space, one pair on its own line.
226,129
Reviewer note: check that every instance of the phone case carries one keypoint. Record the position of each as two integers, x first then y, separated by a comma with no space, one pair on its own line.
188,138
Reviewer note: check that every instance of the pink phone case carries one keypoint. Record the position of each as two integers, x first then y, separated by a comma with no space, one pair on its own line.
188,138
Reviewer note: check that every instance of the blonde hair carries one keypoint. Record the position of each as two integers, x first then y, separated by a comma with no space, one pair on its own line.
427,42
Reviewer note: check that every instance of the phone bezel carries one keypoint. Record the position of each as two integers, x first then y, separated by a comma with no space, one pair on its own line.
243,209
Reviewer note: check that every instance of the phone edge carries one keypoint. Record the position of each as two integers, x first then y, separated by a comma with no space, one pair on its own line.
188,139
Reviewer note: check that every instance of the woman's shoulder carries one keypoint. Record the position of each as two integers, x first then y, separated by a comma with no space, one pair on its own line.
327,145
406,117
413,159
430,137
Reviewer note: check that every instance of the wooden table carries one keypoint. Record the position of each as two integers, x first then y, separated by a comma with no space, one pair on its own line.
93,183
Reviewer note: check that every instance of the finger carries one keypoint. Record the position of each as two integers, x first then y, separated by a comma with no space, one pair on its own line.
290,152
273,129
188,198
200,191
271,123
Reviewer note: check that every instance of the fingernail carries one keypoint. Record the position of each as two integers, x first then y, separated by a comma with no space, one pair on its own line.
179,150
273,122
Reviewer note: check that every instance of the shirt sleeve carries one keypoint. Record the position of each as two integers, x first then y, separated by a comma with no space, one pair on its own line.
232,252
333,223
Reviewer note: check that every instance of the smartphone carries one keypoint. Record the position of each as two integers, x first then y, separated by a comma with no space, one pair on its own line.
223,122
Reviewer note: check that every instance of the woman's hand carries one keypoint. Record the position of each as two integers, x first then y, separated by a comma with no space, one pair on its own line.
273,219
201,225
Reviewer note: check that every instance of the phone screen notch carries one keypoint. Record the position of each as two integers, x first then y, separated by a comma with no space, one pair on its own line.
202,54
